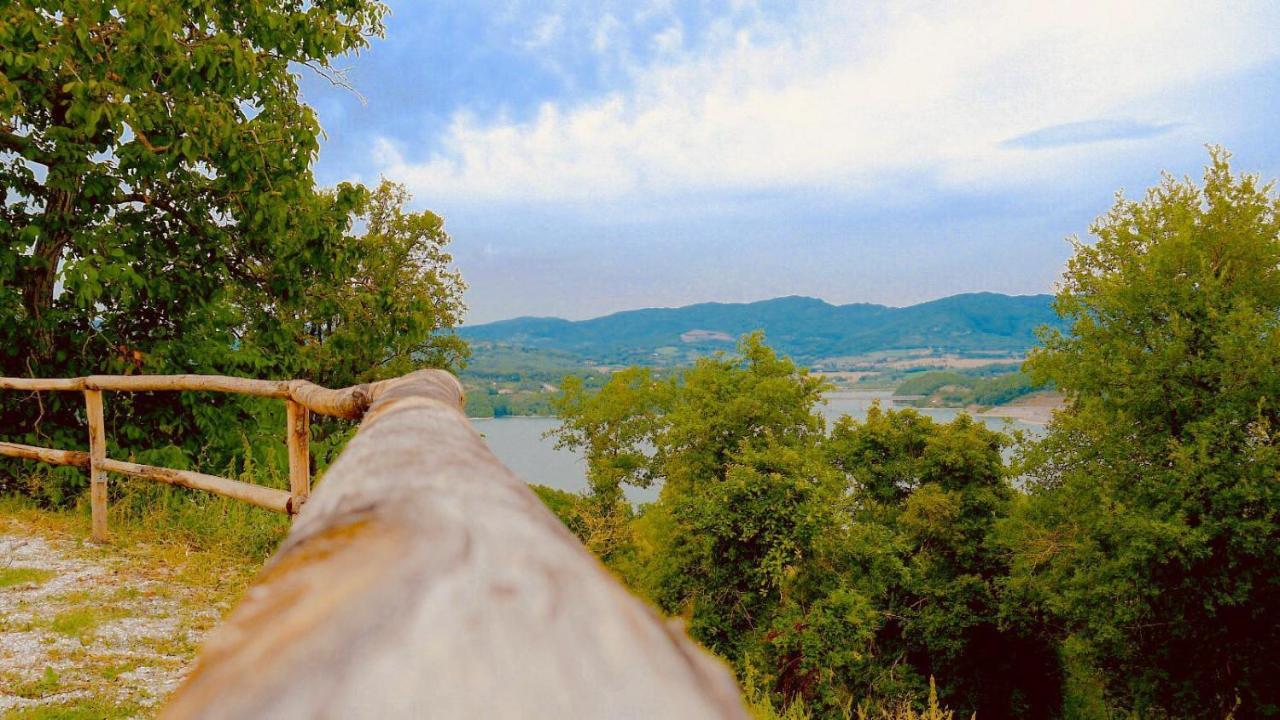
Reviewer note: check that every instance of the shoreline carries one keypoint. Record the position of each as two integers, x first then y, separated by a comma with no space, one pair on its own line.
1034,409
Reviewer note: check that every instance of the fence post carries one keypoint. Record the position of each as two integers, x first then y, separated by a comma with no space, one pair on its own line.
299,431
97,453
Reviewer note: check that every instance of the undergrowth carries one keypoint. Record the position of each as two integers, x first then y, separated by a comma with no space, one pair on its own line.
760,706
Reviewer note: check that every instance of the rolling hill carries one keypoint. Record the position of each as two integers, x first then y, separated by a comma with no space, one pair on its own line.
807,329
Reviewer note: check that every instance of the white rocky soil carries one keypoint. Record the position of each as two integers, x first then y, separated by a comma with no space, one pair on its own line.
80,622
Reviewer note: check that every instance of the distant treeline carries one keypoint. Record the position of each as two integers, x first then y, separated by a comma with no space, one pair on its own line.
961,388
501,381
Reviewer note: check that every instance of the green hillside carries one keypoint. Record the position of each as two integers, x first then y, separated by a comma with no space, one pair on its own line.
805,328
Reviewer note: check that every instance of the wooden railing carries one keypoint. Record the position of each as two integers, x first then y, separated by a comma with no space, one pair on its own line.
423,579
301,399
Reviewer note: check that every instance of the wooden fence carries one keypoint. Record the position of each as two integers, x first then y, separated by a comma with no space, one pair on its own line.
301,399
423,579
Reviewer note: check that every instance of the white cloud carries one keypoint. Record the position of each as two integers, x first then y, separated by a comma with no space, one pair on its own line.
840,96
546,31
670,40
603,37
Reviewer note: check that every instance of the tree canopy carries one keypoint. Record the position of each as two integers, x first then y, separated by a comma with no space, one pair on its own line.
154,149
1153,528
1124,562
160,215
841,567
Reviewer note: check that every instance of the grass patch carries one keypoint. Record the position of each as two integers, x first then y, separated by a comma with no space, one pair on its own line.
83,621
46,684
90,708
163,514
145,512
13,576
109,671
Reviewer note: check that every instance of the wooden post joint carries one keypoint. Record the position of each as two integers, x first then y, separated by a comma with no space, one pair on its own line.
298,431
97,457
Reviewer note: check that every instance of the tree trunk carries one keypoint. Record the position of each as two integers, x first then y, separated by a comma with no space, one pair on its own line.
39,281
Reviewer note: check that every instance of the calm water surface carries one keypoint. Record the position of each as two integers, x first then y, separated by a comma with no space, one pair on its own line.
518,441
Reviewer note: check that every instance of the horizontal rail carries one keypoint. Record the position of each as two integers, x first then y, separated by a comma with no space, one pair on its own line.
145,383
48,455
302,398
423,579
349,403
264,497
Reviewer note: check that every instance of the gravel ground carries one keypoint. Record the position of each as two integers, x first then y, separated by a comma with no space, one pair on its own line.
90,623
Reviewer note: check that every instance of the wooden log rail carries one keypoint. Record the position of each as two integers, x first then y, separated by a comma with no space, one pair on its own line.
301,397
424,580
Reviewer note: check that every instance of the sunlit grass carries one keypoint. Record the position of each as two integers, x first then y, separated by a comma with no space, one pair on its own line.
13,576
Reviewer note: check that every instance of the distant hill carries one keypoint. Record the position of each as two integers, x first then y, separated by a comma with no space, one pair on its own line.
805,328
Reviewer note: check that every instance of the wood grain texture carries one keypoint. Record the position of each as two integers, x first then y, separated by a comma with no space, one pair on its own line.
208,383
49,455
298,429
263,497
424,580
350,402
97,455
37,384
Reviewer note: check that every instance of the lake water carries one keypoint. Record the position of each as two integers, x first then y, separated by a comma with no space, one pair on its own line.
518,441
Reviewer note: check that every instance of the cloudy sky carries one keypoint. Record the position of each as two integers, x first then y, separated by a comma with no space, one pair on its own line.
591,156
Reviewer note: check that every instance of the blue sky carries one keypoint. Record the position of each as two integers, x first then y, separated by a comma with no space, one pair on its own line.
594,156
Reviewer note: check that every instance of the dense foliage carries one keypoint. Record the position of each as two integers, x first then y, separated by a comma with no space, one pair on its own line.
842,566
1152,535
160,215
1132,569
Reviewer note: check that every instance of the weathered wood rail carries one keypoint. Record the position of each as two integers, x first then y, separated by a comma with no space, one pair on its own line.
423,579
300,396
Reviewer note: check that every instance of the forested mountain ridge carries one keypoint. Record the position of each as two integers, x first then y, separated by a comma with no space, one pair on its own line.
802,327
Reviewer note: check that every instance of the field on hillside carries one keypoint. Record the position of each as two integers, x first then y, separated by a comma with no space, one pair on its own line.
511,380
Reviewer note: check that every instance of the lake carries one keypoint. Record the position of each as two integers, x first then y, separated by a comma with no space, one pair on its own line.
518,441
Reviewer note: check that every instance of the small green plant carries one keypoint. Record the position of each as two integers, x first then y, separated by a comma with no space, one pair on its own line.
82,621
42,686
14,576
112,671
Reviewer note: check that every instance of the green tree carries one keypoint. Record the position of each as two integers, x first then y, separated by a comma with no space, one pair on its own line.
915,567
160,215
745,492
379,306
152,150
613,428
831,568
734,442
1152,536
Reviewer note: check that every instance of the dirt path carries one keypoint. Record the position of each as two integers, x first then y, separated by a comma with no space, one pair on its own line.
99,632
